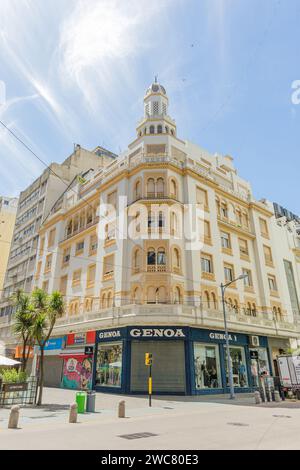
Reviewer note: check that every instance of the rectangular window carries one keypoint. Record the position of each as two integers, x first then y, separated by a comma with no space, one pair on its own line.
38,270
206,263
201,197
207,366
248,279
51,237
109,365
225,240
272,283
108,265
48,263
229,273
45,286
268,255
243,244
66,256
112,199
91,273
93,244
79,247
42,243
63,285
76,277
263,227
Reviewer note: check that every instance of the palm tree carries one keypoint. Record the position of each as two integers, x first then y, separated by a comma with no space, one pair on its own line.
47,308
23,321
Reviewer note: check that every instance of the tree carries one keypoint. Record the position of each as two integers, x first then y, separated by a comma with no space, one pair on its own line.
23,322
47,308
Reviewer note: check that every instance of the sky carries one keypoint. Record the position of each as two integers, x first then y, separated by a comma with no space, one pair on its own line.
75,71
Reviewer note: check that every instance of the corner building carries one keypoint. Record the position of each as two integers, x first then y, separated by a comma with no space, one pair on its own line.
155,294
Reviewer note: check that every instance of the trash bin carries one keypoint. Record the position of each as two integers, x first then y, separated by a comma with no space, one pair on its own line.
91,401
80,400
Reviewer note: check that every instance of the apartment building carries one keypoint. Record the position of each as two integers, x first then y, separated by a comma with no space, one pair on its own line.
119,248
35,202
8,211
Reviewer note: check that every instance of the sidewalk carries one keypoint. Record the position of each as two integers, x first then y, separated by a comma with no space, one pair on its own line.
56,404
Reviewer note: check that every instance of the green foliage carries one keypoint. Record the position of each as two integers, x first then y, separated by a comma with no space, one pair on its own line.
13,376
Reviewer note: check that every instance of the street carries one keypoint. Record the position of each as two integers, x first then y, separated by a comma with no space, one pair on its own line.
172,422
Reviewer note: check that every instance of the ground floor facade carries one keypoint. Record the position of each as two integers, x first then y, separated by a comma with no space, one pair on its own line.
186,360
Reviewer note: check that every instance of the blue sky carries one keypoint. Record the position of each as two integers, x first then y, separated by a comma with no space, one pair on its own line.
76,71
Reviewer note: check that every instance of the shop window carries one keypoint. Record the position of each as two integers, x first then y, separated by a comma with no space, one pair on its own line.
259,364
207,366
109,365
239,368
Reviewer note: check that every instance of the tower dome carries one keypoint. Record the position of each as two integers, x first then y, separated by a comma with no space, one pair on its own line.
156,88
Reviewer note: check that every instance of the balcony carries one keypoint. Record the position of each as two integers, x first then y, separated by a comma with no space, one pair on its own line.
190,314
72,233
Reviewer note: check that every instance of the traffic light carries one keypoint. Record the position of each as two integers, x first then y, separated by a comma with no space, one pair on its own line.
148,359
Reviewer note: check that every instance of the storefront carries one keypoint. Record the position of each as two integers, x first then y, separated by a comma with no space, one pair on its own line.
53,362
78,361
185,360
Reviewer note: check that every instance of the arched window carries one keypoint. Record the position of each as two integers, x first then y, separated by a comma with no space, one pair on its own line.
103,301
177,295
161,296
230,304
161,256
173,223
69,227
151,257
206,300
137,190
161,220
150,187
109,299
176,258
160,187
253,310
145,130
151,295
137,259
76,223
236,306
214,300
137,295
172,131
159,129
173,189
152,130
167,129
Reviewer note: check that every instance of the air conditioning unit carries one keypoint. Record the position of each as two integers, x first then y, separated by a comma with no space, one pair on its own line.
254,341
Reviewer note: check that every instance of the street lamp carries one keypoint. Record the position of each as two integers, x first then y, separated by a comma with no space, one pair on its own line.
229,364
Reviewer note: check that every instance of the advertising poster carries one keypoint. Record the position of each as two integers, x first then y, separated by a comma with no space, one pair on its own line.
77,373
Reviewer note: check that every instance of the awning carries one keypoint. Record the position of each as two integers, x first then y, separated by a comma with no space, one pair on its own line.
74,353
5,361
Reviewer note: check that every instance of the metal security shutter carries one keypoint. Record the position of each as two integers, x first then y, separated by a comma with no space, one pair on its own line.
168,370
53,366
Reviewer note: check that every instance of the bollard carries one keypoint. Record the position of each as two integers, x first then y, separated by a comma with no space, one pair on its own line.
257,398
73,413
277,396
121,409
14,417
